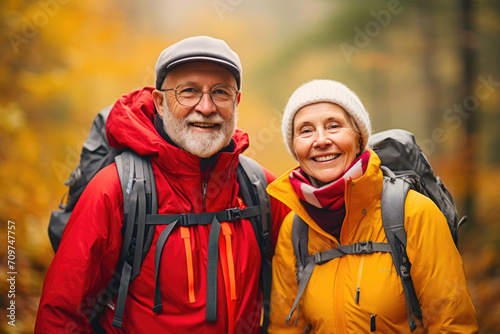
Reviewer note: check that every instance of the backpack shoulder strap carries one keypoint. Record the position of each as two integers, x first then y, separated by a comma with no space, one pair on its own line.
139,199
252,182
136,170
300,239
306,263
254,174
395,190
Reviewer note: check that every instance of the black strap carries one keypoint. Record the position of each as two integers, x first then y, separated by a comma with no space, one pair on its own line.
204,218
137,185
252,182
130,206
123,267
140,207
189,219
159,249
141,216
212,259
364,247
126,174
392,204
148,204
126,170
300,239
122,295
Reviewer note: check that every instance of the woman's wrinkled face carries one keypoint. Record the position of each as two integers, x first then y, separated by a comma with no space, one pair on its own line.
324,140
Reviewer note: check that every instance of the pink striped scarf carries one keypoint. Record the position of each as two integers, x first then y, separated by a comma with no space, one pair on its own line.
331,195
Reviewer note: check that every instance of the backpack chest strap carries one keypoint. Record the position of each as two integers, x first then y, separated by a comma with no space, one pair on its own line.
363,247
204,218
191,219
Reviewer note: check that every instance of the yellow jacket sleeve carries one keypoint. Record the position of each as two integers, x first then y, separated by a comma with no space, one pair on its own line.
437,269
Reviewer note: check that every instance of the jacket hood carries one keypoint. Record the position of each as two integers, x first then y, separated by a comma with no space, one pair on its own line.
130,124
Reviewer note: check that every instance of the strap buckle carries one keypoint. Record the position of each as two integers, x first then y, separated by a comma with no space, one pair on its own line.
233,214
318,258
364,247
404,272
184,219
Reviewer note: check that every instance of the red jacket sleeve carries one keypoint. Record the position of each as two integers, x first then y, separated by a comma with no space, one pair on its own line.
86,258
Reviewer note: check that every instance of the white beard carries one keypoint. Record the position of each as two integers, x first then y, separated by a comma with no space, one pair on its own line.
203,145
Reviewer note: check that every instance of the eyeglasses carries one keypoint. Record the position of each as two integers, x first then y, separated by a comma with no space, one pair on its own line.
190,95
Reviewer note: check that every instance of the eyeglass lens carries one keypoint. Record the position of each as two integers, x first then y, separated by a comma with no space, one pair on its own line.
189,95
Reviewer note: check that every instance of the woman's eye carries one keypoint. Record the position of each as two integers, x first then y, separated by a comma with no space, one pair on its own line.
305,131
333,127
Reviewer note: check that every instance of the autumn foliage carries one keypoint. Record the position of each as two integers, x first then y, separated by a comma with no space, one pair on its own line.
62,61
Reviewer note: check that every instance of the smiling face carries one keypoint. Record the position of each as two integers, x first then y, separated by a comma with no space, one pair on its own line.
324,140
202,129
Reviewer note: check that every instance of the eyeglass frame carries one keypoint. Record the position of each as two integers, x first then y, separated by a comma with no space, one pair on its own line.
201,95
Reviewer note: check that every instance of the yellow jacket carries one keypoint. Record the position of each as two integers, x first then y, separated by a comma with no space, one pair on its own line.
328,303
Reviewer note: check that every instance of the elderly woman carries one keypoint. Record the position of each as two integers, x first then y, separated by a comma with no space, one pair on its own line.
336,190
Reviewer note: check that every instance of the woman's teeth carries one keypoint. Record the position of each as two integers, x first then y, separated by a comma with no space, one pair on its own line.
326,157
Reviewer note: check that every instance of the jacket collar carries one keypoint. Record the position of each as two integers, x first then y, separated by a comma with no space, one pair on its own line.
361,196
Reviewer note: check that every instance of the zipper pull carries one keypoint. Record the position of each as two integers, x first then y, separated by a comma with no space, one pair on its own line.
357,295
204,196
205,184
373,326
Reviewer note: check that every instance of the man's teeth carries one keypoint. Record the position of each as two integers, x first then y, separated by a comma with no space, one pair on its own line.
204,125
326,157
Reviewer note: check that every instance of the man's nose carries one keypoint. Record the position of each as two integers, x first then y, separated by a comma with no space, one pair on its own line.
206,105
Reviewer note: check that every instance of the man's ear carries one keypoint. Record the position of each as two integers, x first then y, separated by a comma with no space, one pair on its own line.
238,99
158,98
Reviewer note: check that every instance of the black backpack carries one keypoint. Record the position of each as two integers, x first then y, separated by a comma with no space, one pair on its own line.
140,216
405,167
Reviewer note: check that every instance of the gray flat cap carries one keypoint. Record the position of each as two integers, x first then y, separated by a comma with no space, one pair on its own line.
197,48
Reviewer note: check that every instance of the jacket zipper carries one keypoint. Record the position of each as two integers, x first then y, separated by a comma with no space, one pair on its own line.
360,269
205,176
204,195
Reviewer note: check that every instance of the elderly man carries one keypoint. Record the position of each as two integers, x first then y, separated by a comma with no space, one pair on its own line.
187,125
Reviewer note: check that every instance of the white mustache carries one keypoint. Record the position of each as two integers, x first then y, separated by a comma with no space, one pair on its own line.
197,118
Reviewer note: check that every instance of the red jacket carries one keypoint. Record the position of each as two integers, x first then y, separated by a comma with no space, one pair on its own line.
88,253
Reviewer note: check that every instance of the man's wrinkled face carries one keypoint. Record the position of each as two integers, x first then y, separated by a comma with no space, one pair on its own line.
203,129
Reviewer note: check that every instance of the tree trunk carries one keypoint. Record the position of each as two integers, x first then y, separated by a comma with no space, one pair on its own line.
468,44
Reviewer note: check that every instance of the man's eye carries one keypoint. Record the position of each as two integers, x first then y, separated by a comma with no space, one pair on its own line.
188,90
220,91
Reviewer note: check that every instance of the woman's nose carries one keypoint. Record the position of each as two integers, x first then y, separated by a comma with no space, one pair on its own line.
321,139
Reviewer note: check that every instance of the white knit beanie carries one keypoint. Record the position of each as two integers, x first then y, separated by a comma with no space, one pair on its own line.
325,91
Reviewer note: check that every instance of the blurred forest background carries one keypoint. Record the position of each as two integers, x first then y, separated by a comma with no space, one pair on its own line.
430,67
